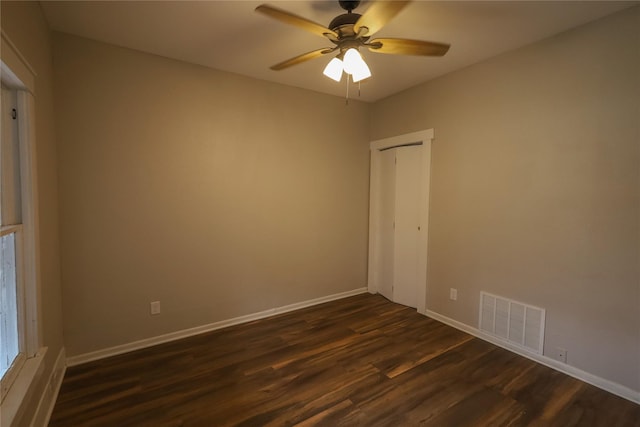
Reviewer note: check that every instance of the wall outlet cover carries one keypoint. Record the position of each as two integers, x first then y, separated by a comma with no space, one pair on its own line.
561,354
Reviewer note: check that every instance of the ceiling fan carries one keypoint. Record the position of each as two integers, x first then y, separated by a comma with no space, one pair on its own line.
349,32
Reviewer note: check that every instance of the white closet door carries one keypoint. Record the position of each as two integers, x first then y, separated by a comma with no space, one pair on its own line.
407,221
386,233
399,217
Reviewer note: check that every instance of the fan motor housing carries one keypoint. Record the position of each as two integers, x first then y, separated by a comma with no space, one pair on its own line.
343,24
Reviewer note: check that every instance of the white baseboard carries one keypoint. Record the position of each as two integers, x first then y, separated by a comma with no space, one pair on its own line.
587,377
148,342
50,393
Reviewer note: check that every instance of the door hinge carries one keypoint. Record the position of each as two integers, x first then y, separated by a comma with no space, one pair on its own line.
14,113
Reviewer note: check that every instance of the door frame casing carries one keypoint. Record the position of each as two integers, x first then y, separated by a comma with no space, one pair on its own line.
424,138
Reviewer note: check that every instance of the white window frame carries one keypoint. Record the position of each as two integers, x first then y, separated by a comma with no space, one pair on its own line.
28,191
17,74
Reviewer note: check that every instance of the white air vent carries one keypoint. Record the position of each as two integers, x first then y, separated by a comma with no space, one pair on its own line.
512,321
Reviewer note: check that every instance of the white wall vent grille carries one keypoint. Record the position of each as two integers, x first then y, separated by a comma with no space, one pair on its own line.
512,321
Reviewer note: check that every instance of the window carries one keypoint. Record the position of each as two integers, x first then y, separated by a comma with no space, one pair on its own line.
12,325
21,357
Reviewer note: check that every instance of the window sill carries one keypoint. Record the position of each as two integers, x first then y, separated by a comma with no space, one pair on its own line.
21,388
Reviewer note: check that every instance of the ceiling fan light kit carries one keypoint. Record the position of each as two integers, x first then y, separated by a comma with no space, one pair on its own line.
350,31
352,64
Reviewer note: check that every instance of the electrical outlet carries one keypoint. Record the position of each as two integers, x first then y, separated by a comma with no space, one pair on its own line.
453,294
561,354
155,307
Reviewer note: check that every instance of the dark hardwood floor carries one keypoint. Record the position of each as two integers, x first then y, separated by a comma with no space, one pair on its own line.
360,361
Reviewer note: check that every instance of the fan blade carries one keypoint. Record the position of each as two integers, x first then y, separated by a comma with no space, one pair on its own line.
298,21
407,47
377,16
301,58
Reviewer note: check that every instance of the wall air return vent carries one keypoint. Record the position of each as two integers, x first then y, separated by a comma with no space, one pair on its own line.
512,321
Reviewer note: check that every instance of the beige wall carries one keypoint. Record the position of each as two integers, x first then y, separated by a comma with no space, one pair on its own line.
25,26
535,188
216,194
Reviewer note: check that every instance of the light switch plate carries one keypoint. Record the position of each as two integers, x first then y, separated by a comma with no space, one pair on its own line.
155,307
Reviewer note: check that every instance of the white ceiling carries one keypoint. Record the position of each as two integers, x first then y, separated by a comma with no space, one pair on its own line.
230,36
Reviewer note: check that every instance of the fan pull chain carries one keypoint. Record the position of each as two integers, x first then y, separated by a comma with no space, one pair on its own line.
347,99
348,84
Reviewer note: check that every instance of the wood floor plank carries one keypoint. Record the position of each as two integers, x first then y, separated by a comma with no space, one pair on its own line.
360,361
